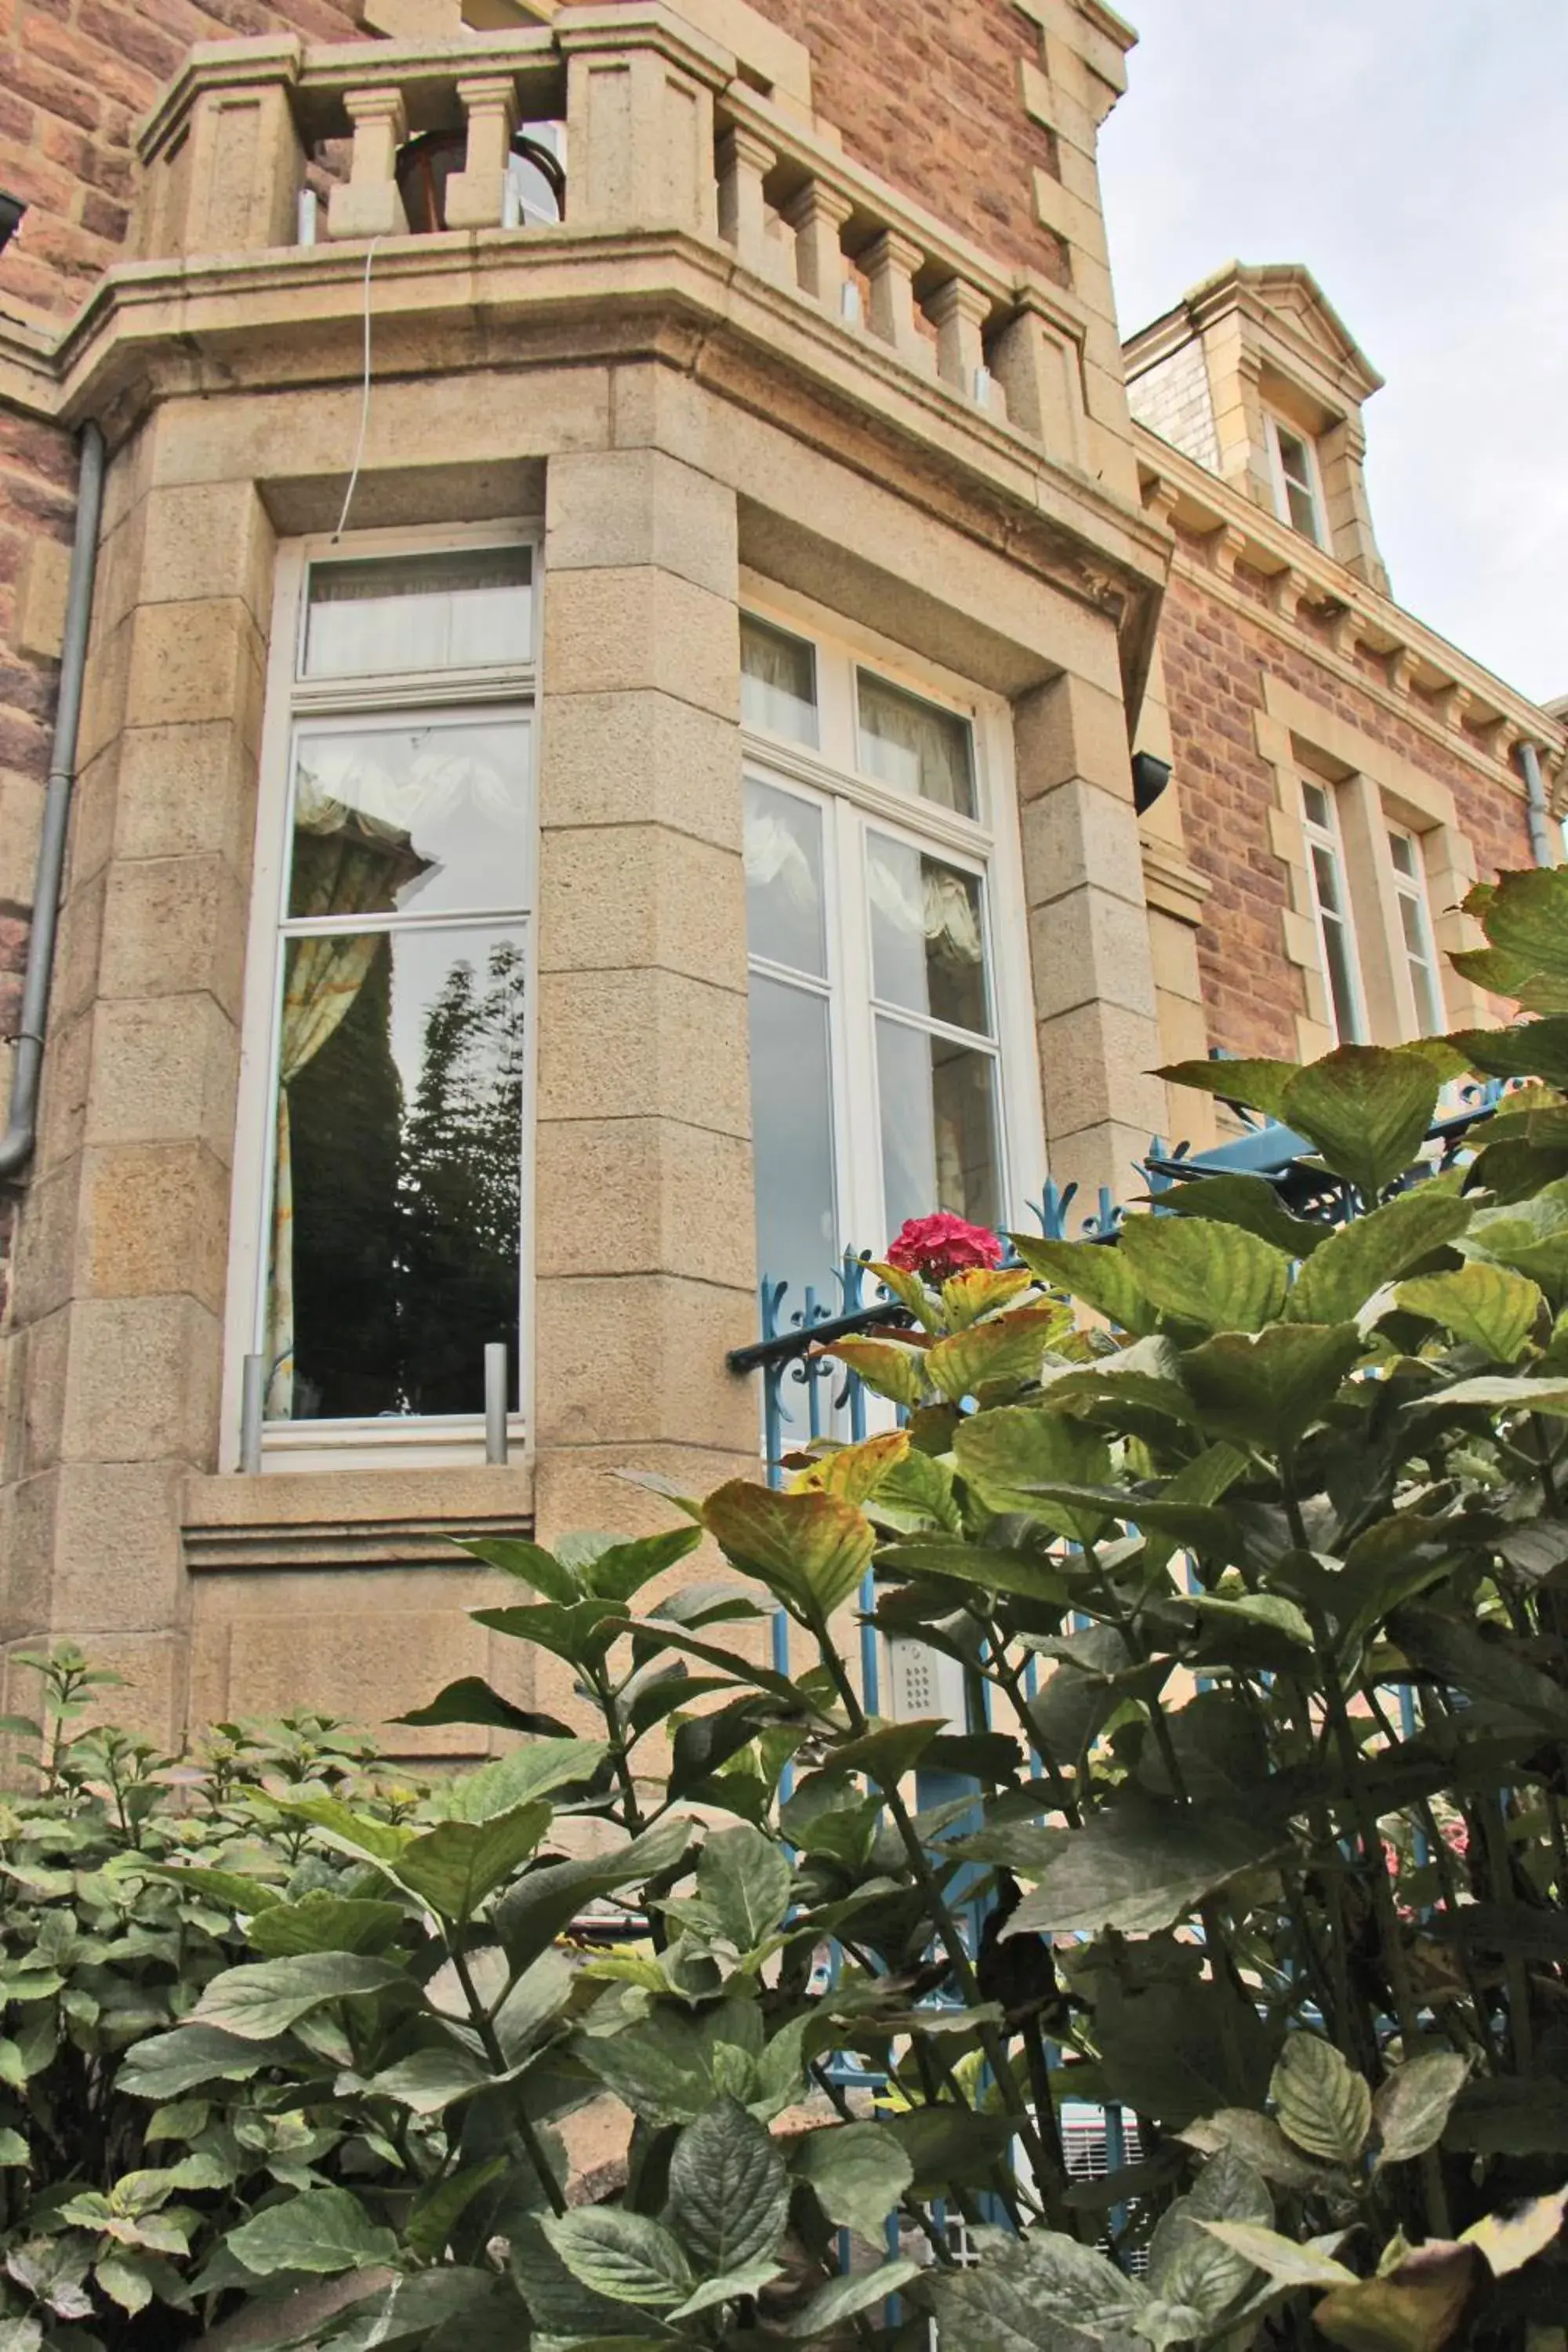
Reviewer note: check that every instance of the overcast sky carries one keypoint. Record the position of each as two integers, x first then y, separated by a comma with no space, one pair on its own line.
1412,154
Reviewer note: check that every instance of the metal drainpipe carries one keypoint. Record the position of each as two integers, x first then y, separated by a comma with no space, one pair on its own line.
1535,810
22,1124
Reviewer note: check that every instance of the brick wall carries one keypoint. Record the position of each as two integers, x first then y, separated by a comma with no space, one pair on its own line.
926,93
1216,659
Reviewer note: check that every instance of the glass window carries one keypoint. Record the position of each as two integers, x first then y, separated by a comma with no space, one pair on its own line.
467,609
393,1232
915,746
1416,931
1331,906
1296,482
778,682
876,1058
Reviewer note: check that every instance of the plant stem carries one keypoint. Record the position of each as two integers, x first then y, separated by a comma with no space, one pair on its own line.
1012,1682
483,2027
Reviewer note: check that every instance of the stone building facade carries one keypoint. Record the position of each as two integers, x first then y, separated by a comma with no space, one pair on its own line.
608,750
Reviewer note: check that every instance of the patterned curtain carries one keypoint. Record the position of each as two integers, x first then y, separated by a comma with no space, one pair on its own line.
341,867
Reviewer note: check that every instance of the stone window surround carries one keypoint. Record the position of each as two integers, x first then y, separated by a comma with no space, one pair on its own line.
993,842
1375,786
349,1445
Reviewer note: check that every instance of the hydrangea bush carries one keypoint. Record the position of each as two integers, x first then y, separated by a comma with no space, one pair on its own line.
1248,1536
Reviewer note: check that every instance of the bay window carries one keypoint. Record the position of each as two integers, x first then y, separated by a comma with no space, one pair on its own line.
881,880
379,1235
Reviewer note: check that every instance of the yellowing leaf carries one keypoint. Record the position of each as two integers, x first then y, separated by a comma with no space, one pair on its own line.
810,1550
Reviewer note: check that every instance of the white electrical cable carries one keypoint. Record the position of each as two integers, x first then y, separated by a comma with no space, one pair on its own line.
364,402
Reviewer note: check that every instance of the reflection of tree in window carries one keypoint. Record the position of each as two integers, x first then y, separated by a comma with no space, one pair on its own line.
459,1186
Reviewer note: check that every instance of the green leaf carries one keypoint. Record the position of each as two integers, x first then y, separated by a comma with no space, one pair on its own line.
438,2208
1367,1108
582,1634
166,2064
949,2143
1268,1610
891,1367
13,2068
1259,2141
1013,1454
915,1490
1268,1389
1215,1276
858,2172
745,1879
455,1865
1038,2294
352,1833
1140,1865
536,1770
430,2081
1250,1202
471,1699
1486,1667
540,1993
1488,1307
261,2002
728,2192
1177,2050
664,2068
323,2231
1187,2264
1092,1271
1336,1281
229,1889
1505,1395
530,1914
14,2150
1006,1351
1527,917
621,1569
842,2297
442,2307
1260,1085
125,2281
1322,2106
319,1921
810,1550
727,2288
622,2255
1281,2259
854,1473
1412,2107
890,1750
979,1564
529,1563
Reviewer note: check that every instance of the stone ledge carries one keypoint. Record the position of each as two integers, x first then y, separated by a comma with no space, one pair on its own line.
350,1519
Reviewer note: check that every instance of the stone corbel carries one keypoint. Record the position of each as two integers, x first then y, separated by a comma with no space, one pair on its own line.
1286,590
1451,703
1225,548
1401,669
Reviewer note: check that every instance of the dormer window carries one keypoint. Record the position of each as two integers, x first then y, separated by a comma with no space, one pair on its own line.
1298,487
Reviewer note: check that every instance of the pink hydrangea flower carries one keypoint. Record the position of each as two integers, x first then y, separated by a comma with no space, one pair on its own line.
941,1247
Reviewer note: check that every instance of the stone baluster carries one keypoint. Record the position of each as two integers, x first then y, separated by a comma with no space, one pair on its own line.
891,262
817,215
369,202
476,196
744,162
959,312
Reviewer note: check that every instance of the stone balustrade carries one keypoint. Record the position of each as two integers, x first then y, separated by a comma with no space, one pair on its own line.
660,135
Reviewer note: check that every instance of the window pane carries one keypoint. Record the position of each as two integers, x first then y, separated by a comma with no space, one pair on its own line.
928,946
1341,978
466,610
915,746
1315,801
1326,875
397,1198
412,820
778,682
1303,510
937,1103
791,1125
784,879
1402,851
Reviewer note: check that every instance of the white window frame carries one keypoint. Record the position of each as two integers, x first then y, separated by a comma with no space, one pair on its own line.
1276,425
989,843
428,1441
1410,889
1331,840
